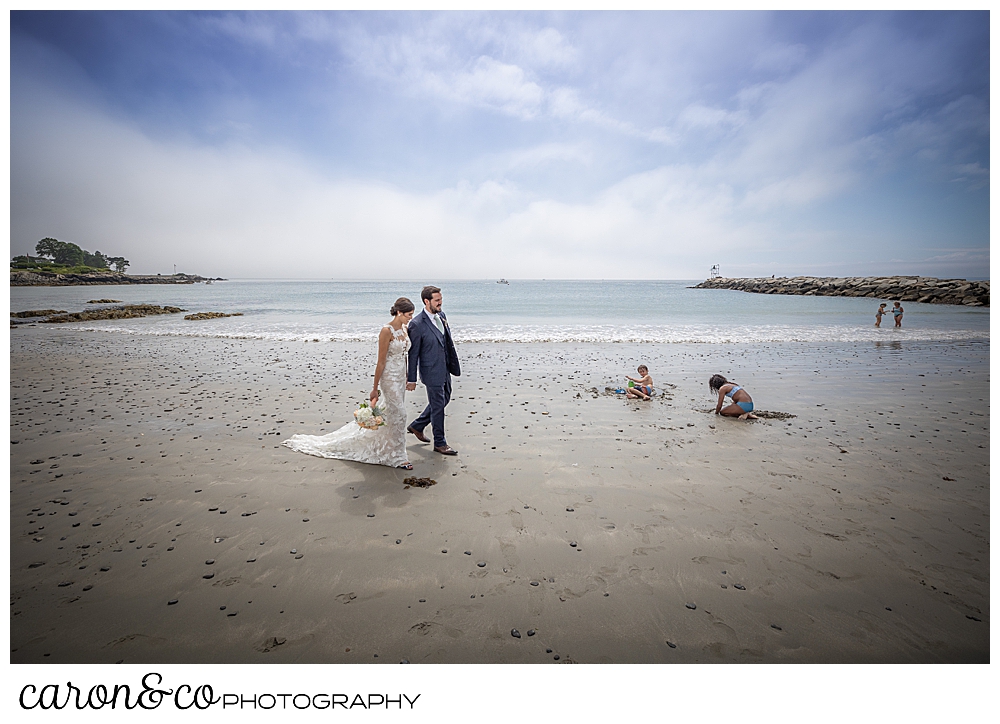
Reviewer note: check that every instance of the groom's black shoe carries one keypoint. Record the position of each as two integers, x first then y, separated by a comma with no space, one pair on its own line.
445,450
417,434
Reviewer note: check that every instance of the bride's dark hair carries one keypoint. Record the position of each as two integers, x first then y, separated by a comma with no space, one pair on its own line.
402,305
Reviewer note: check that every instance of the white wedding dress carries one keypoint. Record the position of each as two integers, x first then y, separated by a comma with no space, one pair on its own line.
385,445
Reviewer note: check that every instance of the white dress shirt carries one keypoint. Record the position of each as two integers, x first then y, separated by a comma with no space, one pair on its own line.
435,318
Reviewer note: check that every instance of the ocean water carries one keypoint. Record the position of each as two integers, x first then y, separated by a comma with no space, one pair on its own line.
590,311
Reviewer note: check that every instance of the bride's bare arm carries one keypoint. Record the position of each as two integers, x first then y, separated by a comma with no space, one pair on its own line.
383,350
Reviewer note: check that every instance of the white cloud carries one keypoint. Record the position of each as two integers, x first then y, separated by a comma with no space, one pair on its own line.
699,116
543,48
780,57
249,28
429,63
491,84
233,211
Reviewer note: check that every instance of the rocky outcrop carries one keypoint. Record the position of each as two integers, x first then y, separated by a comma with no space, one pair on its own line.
902,289
129,311
37,313
21,278
210,315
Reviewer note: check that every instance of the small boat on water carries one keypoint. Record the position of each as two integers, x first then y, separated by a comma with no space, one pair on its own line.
502,281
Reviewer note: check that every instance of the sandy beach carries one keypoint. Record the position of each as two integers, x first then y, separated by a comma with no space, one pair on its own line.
155,516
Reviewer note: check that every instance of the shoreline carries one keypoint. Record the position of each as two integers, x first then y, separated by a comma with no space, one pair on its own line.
49,279
826,520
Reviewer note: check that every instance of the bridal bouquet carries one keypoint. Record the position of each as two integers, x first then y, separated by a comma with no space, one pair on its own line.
369,417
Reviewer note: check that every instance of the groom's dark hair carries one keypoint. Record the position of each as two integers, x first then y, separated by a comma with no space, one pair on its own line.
429,292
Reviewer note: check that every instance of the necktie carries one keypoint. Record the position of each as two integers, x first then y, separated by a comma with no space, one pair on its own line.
438,324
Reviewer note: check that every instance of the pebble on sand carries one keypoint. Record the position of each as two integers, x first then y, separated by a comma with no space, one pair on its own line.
690,605
515,633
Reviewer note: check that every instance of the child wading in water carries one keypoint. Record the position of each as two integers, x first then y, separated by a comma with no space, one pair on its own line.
742,406
878,314
643,389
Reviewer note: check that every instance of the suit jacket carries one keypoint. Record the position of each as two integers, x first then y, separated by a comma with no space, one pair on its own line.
431,352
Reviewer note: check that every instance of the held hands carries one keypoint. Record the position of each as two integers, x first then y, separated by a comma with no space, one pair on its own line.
411,386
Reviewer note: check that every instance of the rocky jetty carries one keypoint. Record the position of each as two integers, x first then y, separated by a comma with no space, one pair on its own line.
22,278
902,289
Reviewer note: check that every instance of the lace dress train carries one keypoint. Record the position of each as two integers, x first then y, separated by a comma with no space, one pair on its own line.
385,445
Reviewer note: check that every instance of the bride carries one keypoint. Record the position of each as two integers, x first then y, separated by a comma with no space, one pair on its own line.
385,445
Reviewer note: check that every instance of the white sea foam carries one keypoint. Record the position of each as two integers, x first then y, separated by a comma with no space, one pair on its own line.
573,334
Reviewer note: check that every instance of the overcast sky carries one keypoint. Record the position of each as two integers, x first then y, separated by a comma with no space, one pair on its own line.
519,145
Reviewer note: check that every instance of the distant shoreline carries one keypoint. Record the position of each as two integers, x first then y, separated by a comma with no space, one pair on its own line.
902,288
49,279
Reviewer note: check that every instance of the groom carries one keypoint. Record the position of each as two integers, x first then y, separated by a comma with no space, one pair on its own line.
433,351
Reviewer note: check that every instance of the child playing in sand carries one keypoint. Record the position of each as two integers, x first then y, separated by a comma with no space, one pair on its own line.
897,313
643,389
878,314
742,406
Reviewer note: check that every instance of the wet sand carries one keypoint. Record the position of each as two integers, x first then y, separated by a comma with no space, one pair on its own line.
149,470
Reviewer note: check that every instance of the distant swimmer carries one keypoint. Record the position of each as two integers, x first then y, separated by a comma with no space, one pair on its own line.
643,388
742,405
878,314
897,313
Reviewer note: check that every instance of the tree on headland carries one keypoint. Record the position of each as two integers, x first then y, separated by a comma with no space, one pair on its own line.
96,260
120,263
55,253
47,247
63,253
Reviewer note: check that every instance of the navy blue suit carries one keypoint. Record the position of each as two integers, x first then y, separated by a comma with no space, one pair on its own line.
433,353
